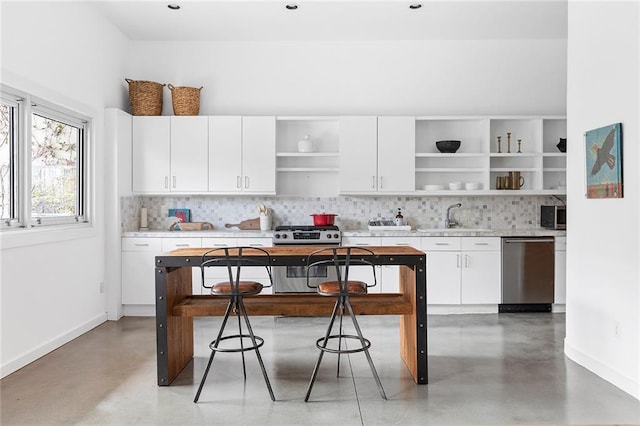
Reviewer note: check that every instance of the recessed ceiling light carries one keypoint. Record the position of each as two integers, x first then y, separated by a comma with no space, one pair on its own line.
292,6
173,6
415,6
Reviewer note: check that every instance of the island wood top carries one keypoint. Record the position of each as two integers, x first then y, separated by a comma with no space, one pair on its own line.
295,250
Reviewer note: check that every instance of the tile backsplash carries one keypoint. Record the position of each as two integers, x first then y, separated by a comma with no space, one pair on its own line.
495,212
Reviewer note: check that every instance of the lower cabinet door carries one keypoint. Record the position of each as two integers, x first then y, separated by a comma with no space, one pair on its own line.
138,278
480,277
443,278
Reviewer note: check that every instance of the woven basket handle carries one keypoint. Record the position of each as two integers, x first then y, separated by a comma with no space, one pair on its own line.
171,86
128,80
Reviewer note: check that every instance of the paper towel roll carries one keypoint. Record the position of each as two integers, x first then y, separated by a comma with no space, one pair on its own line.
144,218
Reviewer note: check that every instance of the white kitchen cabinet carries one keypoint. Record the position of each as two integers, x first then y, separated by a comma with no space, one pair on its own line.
358,154
169,154
151,154
170,244
259,154
443,270
361,273
377,154
480,278
391,273
225,153
242,154
560,271
462,270
138,272
396,154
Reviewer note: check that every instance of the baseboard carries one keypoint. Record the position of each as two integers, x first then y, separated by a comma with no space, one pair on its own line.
40,351
139,310
461,309
619,380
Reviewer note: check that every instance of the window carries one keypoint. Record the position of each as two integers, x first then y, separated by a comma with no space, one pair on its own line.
8,160
50,188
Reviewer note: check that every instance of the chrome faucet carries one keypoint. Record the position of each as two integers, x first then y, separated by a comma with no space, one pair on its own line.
448,222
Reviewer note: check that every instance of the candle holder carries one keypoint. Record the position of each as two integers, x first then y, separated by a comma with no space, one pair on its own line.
499,149
519,142
509,142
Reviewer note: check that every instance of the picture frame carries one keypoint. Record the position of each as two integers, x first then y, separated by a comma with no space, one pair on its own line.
604,162
183,214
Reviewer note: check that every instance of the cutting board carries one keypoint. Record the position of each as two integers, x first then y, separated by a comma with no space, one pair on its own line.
246,225
191,226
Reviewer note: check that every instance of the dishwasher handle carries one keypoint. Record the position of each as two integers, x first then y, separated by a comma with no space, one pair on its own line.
528,240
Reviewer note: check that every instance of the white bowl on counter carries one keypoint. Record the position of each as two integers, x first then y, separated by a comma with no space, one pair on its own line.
473,185
433,187
455,185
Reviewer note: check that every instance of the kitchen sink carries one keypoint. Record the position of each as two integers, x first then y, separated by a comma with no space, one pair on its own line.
455,230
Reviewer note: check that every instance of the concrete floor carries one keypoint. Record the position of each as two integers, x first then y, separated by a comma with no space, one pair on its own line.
484,369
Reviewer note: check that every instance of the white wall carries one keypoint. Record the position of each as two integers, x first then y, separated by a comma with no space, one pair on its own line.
50,285
603,278
380,78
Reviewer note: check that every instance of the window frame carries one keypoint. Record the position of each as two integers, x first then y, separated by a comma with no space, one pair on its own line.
14,157
26,106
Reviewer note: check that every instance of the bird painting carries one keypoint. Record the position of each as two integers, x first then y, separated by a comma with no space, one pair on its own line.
603,153
604,161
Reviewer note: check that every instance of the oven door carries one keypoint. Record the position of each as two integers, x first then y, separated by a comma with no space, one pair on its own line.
293,279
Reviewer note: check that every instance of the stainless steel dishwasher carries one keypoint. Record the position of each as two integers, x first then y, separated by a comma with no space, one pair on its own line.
527,274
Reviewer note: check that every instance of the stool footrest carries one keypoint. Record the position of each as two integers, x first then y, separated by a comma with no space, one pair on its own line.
367,343
251,347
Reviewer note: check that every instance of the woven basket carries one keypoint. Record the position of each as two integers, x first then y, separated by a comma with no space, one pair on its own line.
186,100
145,97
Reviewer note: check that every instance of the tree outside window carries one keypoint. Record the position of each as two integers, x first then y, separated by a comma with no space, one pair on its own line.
54,168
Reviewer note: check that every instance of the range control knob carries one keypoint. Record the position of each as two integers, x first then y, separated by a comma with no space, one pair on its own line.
284,236
336,236
329,236
277,236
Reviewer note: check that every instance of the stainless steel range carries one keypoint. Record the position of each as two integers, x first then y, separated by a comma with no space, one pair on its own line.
293,279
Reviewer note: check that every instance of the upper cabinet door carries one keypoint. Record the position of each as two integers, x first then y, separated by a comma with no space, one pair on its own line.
225,153
396,154
189,147
358,154
259,154
151,154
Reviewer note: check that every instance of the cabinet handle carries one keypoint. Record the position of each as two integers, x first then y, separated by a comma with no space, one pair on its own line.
183,245
480,244
466,261
380,182
174,182
238,182
141,245
457,260
246,181
219,245
166,182
373,182
442,244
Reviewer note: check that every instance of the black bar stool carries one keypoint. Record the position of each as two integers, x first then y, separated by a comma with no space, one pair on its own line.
342,258
233,258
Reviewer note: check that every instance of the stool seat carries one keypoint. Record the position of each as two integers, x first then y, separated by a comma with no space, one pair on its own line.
244,288
332,288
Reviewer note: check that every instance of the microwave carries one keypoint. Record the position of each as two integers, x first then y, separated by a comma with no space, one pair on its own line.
553,217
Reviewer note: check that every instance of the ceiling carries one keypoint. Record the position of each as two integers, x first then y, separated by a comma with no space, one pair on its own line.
335,20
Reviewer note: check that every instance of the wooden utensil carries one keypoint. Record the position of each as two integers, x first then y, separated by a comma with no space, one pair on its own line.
191,226
246,225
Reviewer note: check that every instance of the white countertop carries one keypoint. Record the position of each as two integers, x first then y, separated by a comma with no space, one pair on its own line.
467,232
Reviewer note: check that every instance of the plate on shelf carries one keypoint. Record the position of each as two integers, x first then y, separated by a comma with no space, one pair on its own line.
433,187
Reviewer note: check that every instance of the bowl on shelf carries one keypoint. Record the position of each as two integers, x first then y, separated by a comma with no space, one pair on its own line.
433,187
447,147
455,185
473,185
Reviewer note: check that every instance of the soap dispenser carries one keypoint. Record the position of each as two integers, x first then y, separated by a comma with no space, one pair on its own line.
399,220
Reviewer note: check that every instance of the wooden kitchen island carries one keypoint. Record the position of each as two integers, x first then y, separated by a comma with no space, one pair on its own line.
176,305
